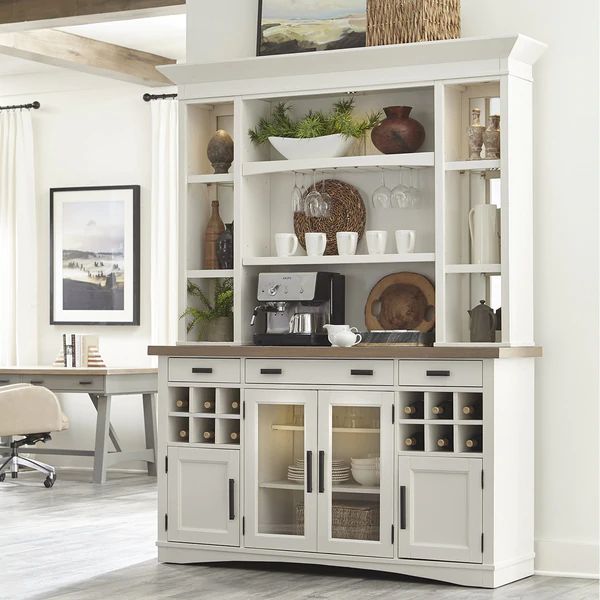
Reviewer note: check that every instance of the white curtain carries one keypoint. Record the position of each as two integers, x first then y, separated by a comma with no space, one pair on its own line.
164,243
18,241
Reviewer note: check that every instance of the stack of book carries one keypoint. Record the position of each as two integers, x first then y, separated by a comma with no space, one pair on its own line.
79,351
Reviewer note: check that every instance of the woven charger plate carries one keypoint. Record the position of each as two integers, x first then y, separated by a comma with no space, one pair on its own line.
347,213
401,301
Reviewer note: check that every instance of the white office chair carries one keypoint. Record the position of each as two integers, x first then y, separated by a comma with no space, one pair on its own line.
26,408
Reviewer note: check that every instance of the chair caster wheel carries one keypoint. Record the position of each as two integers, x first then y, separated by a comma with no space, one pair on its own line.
49,481
2,477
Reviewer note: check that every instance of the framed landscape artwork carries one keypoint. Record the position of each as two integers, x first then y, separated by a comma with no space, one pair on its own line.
290,26
95,255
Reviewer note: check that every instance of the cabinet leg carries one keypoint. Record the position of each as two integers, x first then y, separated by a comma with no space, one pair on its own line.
102,435
149,401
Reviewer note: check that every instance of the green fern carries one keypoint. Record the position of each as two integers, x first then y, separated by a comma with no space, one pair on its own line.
222,306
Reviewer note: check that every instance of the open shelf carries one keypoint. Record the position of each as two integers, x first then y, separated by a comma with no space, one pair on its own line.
358,259
376,431
375,161
350,488
482,269
473,165
209,273
217,178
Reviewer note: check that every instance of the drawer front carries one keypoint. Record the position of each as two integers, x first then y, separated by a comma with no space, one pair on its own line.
9,379
443,373
205,370
311,372
67,383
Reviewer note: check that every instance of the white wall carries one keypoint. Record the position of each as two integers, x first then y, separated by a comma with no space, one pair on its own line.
566,246
90,131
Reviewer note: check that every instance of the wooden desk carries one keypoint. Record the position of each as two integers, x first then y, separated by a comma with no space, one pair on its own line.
101,385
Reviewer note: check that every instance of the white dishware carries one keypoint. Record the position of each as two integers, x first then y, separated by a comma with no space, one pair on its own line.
484,227
376,241
370,478
346,242
286,244
333,330
346,339
405,240
315,243
325,146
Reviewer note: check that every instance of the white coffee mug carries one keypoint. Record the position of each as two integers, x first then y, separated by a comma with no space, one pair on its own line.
286,244
346,242
405,240
376,242
315,243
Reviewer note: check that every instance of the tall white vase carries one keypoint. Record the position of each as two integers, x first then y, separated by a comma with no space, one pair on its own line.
484,227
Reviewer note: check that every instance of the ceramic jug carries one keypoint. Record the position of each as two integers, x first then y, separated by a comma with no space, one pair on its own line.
346,339
484,227
483,323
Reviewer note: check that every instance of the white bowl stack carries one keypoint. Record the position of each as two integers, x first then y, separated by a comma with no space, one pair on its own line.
365,470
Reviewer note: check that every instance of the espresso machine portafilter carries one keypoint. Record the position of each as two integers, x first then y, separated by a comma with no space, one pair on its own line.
293,308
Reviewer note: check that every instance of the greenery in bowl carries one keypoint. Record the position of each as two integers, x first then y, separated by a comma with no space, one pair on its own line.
221,306
314,124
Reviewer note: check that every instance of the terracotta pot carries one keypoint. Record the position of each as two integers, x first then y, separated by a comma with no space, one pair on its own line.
220,151
219,330
214,229
398,133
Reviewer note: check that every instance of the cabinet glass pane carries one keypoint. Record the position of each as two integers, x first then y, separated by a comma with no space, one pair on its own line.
356,442
281,478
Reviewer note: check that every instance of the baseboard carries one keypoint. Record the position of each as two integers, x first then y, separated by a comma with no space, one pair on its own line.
567,559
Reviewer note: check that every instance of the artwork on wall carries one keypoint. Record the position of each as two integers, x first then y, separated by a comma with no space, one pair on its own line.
289,26
95,255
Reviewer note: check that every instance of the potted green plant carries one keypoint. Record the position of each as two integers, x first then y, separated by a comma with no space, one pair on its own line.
316,135
215,319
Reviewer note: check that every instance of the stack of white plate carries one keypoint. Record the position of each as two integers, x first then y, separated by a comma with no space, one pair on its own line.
296,471
340,471
365,470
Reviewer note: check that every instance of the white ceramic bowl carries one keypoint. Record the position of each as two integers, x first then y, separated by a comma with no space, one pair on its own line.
364,461
366,476
325,146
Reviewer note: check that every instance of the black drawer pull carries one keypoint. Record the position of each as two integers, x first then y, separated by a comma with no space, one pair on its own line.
86,382
4,381
321,471
202,370
402,507
231,500
36,382
438,373
271,371
361,371
309,482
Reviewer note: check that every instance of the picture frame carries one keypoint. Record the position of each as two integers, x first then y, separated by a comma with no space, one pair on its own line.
297,27
95,255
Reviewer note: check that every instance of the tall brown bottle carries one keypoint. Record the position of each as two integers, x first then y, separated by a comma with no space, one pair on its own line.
214,229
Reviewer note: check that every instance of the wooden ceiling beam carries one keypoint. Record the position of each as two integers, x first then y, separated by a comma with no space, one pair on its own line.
61,49
20,15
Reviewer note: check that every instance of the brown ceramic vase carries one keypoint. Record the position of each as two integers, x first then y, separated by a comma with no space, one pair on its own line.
398,133
214,229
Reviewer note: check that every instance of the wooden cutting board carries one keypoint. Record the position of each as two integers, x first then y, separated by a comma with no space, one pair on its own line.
401,301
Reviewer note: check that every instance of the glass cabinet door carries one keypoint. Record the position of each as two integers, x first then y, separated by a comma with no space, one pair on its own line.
356,454
280,459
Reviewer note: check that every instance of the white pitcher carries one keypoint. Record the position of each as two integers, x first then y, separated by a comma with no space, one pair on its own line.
484,226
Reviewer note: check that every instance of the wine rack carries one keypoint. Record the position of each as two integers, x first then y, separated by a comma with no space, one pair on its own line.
204,416
441,422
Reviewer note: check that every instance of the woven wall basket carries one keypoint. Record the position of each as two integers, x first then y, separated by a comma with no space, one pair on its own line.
405,21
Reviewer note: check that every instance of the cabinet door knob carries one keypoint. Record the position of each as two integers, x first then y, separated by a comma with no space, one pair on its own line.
232,499
202,370
361,371
271,371
402,507
437,373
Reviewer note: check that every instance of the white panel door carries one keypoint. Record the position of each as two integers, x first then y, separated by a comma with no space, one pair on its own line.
440,516
356,507
204,496
280,460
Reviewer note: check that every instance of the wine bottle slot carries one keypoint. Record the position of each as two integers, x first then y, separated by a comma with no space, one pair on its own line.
234,435
235,405
208,435
443,443
469,410
181,404
209,405
414,440
411,409
473,442
183,434
443,409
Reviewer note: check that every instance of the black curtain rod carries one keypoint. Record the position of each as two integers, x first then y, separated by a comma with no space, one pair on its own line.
35,104
147,97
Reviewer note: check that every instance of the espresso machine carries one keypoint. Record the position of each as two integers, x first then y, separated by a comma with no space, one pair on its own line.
293,307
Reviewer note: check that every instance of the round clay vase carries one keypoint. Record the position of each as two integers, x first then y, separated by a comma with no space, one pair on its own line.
398,133
219,330
220,151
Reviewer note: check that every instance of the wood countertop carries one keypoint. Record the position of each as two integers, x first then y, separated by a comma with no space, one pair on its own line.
438,352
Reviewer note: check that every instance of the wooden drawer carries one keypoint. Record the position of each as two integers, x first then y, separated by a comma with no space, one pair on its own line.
311,372
67,383
205,370
443,373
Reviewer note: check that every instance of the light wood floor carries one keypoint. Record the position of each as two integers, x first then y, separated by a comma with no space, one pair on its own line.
80,541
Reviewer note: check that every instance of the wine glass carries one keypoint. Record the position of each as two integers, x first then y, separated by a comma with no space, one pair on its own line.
297,196
312,202
327,201
400,195
413,192
382,195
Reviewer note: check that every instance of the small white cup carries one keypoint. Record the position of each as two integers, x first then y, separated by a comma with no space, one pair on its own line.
286,244
315,243
376,242
346,242
405,240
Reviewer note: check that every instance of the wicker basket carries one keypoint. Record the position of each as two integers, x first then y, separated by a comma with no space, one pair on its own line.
405,21
351,520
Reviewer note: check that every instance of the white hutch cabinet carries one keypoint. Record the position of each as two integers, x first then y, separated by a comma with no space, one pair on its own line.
256,441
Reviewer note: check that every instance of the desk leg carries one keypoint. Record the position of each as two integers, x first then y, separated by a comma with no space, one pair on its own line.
111,430
149,401
102,434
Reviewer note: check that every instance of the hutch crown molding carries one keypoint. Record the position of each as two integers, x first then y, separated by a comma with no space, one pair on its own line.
258,443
